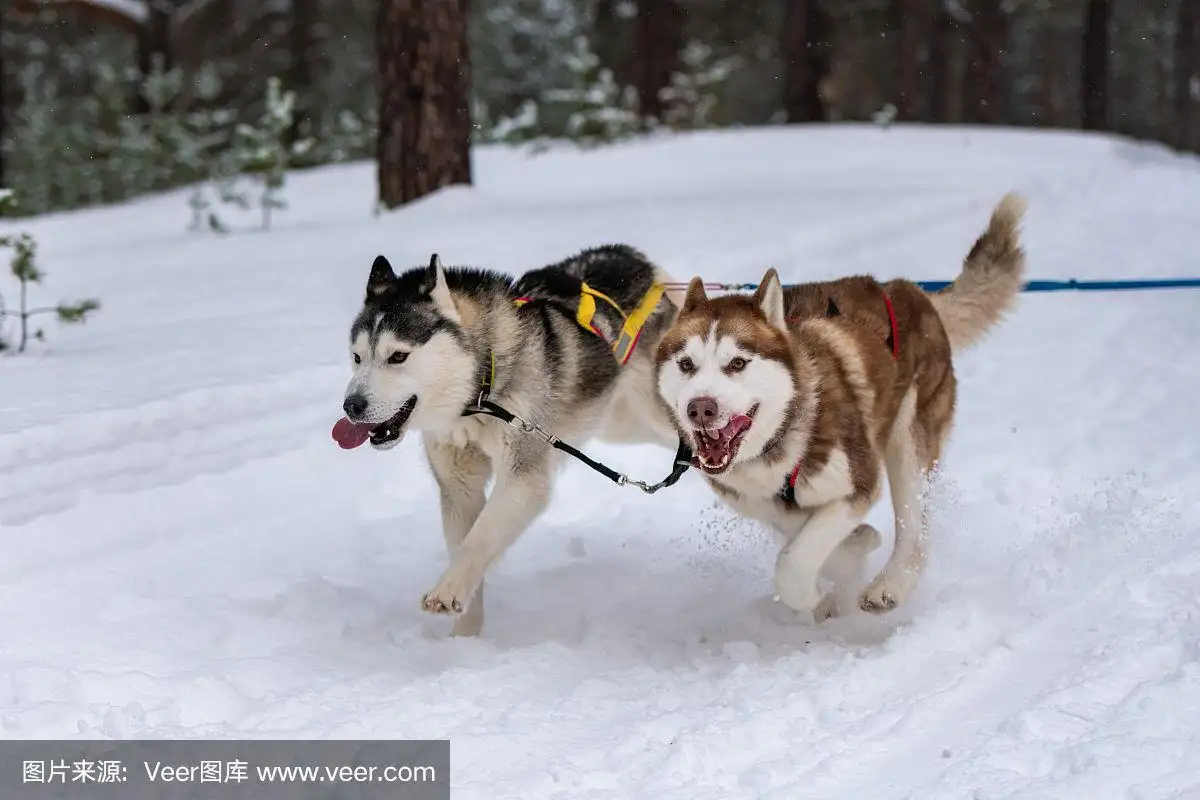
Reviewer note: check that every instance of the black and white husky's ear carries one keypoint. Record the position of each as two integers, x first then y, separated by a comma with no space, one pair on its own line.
381,278
439,289
769,299
696,296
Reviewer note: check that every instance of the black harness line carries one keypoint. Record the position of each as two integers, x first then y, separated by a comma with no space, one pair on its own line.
484,405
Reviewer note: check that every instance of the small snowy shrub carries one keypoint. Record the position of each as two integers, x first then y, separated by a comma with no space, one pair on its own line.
885,116
24,269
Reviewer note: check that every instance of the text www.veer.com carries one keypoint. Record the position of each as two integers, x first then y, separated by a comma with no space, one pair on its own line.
346,774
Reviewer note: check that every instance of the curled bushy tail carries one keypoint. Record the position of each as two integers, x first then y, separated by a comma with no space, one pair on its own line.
990,280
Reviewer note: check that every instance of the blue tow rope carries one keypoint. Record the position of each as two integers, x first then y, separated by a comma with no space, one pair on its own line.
1030,286
1087,286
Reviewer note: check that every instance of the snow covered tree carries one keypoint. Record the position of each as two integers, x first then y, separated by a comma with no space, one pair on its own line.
263,151
343,134
25,270
597,110
205,157
687,103
35,142
165,129
592,110
519,49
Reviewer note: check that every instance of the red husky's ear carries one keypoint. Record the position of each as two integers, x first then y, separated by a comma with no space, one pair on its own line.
696,295
769,299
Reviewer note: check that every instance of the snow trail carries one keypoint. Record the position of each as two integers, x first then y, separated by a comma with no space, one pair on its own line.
186,554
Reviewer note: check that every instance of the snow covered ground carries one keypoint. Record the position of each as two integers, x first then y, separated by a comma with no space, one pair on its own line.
184,552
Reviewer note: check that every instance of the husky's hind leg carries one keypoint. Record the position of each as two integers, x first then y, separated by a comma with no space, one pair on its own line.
907,476
461,474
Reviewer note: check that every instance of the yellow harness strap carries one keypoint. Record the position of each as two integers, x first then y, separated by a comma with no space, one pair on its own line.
627,339
587,306
623,347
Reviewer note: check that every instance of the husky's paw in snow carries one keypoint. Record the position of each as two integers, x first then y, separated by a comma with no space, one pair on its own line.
878,598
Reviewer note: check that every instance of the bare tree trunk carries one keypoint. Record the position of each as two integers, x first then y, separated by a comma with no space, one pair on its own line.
3,98
604,34
912,31
985,84
1164,131
1095,65
805,49
1187,75
302,50
659,40
154,43
941,65
424,138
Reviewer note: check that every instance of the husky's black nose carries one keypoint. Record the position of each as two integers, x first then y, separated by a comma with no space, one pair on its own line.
702,411
355,406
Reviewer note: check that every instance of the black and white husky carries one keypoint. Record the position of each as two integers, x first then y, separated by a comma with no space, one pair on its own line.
568,348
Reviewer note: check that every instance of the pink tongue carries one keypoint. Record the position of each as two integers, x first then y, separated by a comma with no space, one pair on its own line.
715,448
736,425
350,435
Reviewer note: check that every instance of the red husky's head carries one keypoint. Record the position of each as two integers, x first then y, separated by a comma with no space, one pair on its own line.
727,373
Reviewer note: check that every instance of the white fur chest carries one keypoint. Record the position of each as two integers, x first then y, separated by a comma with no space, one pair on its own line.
755,479
758,485
486,433
833,482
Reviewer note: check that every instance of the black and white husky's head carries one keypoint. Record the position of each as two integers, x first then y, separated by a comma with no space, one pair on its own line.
411,364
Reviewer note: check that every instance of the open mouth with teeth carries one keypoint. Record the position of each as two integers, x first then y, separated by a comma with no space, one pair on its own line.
717,447
350,435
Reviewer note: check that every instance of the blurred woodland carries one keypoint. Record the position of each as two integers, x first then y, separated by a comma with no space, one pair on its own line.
103,100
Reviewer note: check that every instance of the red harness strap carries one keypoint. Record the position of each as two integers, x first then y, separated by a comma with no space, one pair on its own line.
895,337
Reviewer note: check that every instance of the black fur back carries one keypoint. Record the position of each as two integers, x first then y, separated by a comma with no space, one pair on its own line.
617,270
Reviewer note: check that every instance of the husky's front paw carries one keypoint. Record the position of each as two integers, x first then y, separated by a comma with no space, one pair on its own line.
436,603
827,609
879,598
450,596
798,592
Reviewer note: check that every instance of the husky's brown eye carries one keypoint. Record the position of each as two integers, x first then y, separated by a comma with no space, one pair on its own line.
737,364
398,357
686,365
357,358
